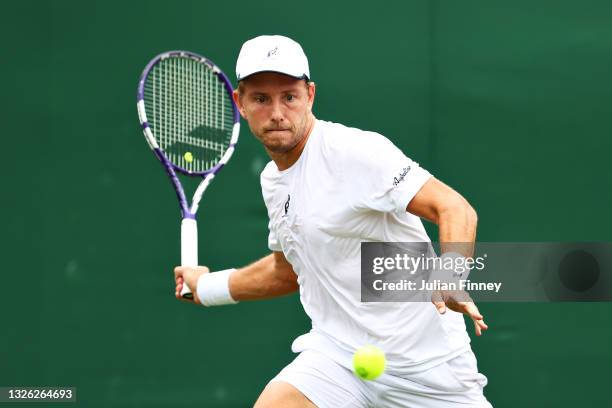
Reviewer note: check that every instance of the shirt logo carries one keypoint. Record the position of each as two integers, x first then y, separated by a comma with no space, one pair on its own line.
287,204
401,177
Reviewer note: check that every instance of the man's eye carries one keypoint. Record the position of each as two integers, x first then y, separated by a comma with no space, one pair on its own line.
290,98
260,99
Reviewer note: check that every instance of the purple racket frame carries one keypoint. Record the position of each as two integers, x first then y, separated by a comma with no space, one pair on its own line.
189,232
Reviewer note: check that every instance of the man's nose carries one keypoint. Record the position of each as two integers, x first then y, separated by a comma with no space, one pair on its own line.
277,112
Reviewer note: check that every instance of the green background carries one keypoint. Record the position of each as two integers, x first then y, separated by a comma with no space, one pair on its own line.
508,102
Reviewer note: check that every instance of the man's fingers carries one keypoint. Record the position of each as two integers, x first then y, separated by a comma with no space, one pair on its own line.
462,303
177,294
480,325
472,310
180,281
441,306
185,275
438,301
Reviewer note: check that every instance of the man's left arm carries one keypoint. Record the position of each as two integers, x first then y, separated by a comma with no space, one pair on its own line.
457,221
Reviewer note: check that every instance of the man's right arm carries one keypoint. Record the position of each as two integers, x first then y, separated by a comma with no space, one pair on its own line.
269,277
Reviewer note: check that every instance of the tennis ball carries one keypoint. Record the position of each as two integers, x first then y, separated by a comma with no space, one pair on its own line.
188,157
369,362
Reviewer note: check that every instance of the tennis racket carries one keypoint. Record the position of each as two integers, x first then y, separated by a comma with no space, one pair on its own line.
191,123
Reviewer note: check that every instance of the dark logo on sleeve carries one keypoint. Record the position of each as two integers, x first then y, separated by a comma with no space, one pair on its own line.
287,204
401,177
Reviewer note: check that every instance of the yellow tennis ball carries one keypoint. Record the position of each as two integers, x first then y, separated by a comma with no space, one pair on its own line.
188,157
369,362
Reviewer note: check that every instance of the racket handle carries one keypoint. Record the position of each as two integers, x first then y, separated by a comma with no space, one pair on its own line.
189,249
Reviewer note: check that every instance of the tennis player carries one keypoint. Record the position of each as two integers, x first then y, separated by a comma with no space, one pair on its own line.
327,188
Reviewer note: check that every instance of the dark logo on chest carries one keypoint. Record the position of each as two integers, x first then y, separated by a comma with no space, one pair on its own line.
287,204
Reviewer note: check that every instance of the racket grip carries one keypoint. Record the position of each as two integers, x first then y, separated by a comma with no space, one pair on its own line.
189,249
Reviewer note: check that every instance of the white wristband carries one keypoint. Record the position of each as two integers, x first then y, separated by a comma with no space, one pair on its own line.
213,288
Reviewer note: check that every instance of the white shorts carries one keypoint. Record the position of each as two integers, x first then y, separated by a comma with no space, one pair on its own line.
455,383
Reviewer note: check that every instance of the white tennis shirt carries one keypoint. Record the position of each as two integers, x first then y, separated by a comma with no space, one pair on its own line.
350,186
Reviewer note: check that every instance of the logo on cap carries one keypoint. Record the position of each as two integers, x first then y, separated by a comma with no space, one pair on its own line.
273,52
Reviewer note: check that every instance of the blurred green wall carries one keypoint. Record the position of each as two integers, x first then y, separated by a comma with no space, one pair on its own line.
507,102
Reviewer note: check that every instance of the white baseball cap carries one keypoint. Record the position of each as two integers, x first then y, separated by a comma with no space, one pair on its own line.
272,53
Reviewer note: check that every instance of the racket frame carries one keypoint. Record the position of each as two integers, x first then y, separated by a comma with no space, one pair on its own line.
189,231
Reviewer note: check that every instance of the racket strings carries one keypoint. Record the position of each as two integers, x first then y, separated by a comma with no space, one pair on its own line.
190,113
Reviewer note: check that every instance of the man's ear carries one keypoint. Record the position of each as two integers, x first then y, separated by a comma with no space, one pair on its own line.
312,90
238,103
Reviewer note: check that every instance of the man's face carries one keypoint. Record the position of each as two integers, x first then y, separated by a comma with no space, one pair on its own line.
277,107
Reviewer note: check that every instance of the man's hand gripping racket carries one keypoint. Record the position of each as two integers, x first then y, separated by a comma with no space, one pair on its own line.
191,123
